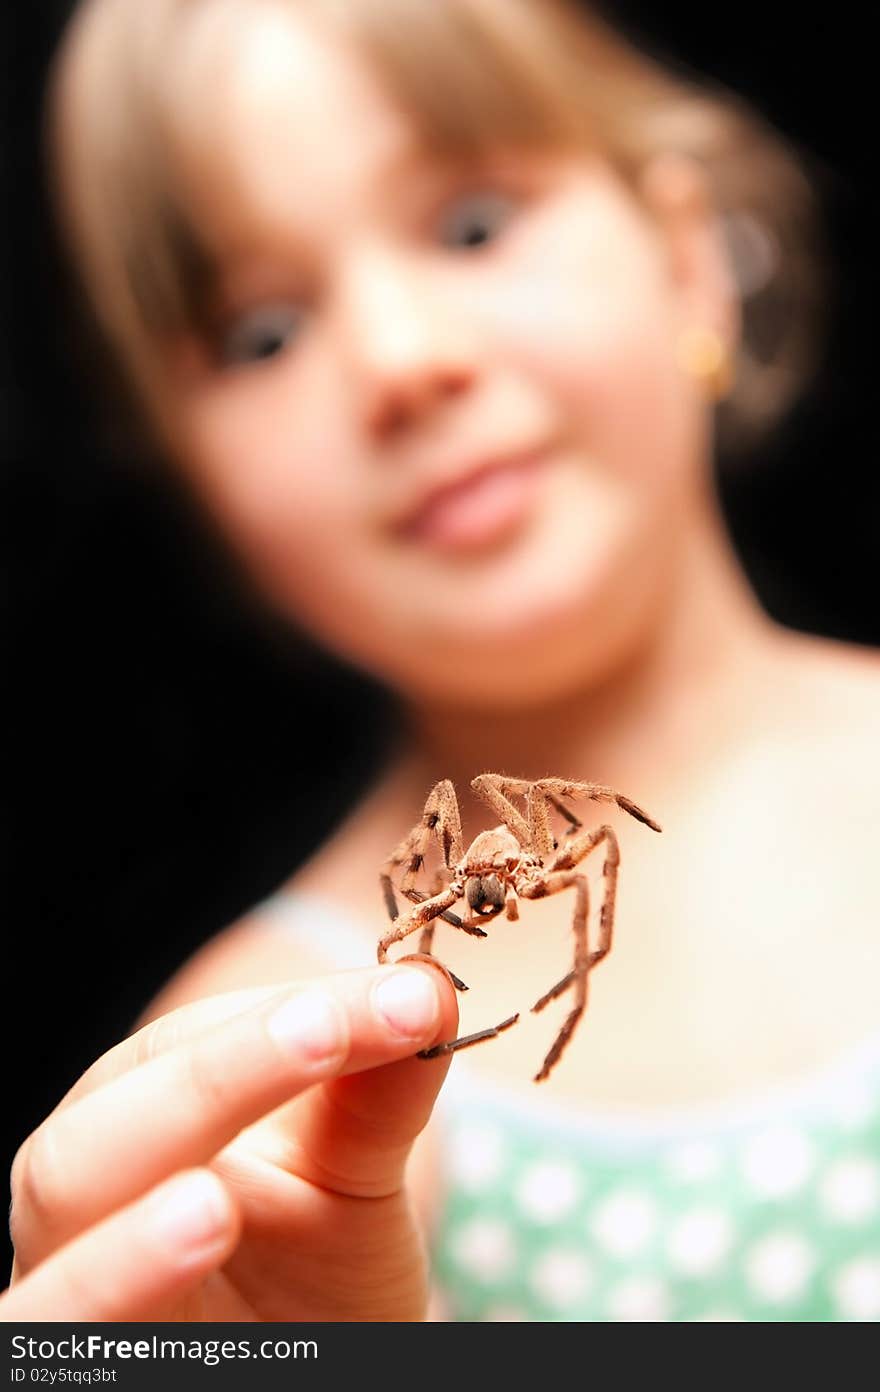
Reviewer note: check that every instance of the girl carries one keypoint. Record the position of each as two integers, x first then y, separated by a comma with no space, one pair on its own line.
438,309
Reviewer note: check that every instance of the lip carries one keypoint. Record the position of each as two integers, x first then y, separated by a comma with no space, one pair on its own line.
474,502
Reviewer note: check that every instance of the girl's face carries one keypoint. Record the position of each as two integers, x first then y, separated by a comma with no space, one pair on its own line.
441,417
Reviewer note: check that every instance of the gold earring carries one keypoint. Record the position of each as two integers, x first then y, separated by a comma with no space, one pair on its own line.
701,353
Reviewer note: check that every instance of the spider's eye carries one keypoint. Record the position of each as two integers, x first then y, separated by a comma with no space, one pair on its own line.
259,333
476,219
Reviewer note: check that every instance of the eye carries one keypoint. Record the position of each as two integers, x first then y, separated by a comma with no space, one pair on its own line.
259,333
476,219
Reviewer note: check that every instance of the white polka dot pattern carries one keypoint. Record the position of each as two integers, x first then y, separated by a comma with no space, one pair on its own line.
857,1289
777,1162
757,1221
778,1267
719,1317
757,1213
562,1277
485,1248
642,1299
699,1241
693,1161
477,1156
624,1222
548,1191
851,1189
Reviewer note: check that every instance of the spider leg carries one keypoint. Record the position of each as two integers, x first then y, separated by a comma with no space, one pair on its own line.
449,1048
554,991
419,916
495,790
571,854
472,925
426,942
552,883
427,938
467,925
440,819
556,788
574,823
533,831
415,896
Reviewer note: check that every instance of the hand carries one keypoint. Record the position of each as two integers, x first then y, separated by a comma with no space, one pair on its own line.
241,1158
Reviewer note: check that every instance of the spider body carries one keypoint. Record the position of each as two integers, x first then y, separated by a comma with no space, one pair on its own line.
520,859
489,869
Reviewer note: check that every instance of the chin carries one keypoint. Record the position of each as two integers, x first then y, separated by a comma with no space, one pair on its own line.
547,612
534,636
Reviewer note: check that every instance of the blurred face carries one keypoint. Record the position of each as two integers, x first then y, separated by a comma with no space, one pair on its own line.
440,415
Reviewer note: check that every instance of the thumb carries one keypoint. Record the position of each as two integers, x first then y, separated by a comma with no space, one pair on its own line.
354,1133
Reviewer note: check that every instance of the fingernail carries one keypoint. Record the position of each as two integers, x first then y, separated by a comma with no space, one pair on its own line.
407,1000
191,1211
308,1028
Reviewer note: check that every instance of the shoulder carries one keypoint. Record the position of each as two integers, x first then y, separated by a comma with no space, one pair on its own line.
803,769
832,663
831,695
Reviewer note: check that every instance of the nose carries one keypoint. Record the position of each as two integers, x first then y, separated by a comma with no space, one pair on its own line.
408,351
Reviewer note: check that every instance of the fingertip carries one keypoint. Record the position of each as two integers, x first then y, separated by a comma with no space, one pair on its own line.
194,1213
447,1023
407,1002
424,959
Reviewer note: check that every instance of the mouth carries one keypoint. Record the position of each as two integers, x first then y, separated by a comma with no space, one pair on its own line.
488,504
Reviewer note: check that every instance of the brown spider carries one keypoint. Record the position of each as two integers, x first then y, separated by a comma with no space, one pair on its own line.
500,864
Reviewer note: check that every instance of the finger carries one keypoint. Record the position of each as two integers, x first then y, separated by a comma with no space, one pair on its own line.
167,1032
354,1135
148,1254
181,1108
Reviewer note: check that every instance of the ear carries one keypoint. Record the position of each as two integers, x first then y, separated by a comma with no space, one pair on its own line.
676,192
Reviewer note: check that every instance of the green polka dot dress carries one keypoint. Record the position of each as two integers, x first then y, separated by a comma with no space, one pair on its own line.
766,1212
769,1211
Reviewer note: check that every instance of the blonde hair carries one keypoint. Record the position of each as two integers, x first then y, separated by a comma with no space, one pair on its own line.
544,73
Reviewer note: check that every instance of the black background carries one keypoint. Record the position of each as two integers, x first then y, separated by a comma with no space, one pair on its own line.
158,746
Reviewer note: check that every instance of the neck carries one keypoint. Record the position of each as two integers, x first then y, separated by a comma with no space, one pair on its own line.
686,685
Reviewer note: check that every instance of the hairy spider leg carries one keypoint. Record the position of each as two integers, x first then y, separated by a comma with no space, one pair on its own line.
418,917
552,883
427,938
442,820
449,1048
467,926
496,790
572,853
415,896
574,823
555,788
533,831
